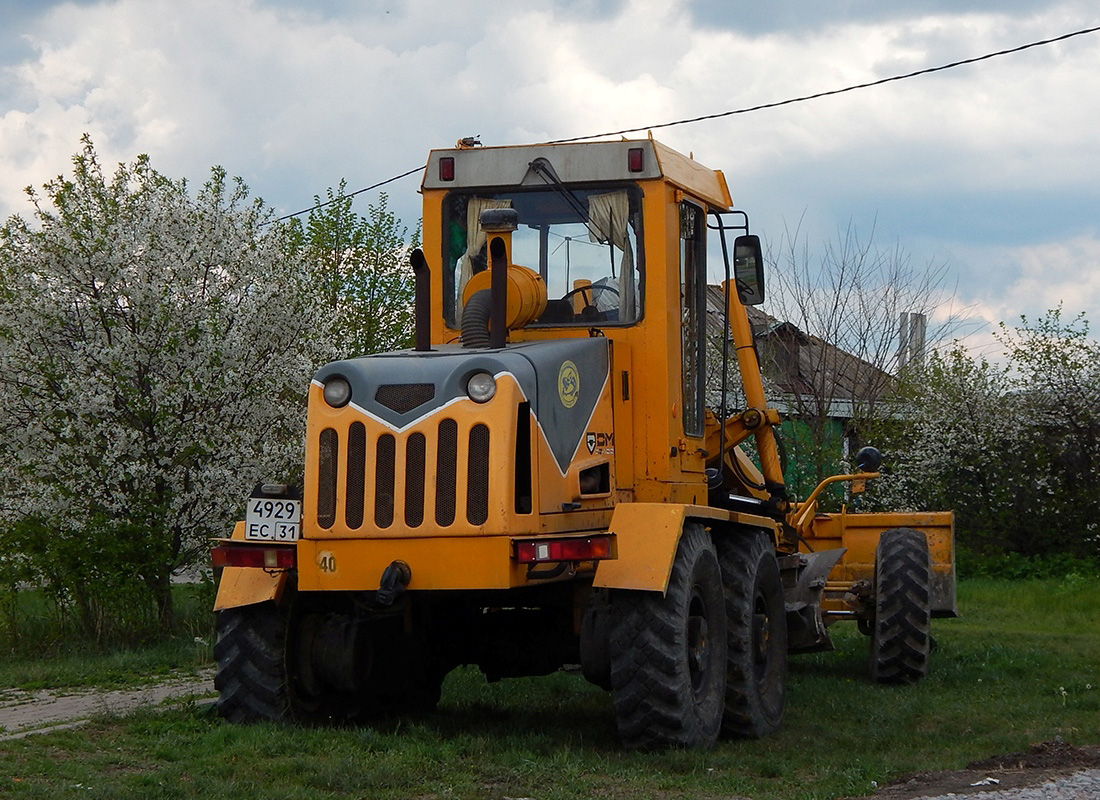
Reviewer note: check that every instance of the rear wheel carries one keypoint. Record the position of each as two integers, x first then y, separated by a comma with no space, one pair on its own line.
756,620
900,634
668,653
267,665
316,665
251,676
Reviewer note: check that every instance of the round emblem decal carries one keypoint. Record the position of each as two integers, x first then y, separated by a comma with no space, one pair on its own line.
569,384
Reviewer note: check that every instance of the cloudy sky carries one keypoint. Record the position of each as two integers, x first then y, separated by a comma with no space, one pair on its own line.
993,169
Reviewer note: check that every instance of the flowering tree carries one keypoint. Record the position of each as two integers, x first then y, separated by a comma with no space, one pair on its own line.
1014,449
154,352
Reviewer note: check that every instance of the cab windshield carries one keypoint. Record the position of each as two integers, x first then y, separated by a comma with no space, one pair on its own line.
583,242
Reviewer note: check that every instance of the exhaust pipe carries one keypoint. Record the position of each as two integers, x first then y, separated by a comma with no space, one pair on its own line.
422,304
498,324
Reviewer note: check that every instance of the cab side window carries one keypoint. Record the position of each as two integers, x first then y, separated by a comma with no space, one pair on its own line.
693,286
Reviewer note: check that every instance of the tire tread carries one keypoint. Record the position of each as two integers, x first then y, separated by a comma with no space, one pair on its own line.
901,637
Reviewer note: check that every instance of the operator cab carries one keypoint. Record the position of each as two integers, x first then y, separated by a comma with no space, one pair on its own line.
585,244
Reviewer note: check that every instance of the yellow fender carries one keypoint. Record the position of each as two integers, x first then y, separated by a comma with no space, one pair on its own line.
646,537
245,586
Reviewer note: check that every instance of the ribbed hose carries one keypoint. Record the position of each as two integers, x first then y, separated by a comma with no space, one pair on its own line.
475,319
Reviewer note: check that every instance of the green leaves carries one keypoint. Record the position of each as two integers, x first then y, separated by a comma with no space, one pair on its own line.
361,264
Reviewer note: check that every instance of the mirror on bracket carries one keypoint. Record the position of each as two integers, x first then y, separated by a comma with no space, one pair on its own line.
748,269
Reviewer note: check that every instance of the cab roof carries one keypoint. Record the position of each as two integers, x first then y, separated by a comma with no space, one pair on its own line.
574,163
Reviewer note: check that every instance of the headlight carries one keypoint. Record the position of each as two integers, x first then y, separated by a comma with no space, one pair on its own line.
481,387
337,391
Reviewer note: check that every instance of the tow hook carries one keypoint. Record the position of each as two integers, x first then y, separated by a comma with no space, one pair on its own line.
395,578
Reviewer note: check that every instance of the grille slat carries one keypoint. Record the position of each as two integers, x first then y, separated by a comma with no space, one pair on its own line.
356,475
384,480
477,472
328,458
415,454
446,472
523,497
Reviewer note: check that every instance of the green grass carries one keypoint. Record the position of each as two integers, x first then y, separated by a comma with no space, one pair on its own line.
86,668
1015,670
47,653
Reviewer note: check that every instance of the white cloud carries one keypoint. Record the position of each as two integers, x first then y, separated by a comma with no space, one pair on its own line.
1025,281
294,97
1047,275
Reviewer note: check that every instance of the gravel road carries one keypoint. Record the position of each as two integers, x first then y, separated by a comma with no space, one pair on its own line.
1054,770
1078,786
24,713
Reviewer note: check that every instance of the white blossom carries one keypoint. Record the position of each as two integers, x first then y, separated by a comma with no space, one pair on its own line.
155,349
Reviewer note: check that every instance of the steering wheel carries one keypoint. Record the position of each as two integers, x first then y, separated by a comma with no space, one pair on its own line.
585,291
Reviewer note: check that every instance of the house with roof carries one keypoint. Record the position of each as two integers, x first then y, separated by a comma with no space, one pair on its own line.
825,394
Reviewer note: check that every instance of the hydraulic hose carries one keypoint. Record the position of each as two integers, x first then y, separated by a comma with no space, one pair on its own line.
475,319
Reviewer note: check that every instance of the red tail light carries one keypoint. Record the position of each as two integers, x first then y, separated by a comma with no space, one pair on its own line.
256,556
446,168
635,159
588,548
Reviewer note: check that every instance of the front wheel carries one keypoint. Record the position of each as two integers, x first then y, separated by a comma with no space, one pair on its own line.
265,667
901,640
668,653
251,676
756,677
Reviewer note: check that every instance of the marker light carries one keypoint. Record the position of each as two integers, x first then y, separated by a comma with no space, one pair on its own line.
635,159
337,391
447,168
588,548
481,387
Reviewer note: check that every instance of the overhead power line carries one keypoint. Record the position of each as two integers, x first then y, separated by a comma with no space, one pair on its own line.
352,194
749,109
831,92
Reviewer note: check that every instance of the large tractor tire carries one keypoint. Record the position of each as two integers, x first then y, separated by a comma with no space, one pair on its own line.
251,676
668,653
265,667
287,662
756,623
900,635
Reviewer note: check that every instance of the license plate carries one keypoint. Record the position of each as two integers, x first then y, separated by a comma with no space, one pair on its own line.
268,519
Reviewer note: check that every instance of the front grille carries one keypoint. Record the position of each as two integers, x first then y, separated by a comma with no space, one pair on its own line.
389,474
404,397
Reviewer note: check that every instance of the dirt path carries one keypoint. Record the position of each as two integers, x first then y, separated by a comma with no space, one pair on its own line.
23,713
1042,768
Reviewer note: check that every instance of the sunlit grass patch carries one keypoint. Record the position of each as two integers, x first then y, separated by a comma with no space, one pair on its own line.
1005,675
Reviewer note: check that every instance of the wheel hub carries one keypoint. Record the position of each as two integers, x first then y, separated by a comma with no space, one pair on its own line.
698,644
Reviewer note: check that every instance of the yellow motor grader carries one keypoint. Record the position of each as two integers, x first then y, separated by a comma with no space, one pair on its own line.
539,482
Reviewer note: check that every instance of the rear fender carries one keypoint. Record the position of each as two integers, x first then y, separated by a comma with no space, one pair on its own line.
246,586
647,535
